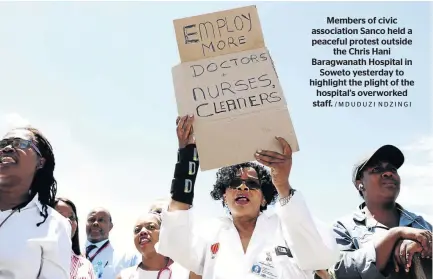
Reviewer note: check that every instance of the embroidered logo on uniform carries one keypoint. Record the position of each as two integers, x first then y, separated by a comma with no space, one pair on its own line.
283,251
268,257
256,269
214,249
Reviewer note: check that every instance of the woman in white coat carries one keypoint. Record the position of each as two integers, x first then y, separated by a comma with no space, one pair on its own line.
35,240
152,265
252,242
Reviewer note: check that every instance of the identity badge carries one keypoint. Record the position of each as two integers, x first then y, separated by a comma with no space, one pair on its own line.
265,267
283,251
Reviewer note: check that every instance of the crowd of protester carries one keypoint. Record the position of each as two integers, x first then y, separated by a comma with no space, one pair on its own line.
39,232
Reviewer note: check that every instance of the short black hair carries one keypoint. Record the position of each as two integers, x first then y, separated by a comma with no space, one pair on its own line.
75,238
226,174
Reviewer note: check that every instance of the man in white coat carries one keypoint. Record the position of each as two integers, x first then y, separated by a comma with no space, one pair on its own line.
250,243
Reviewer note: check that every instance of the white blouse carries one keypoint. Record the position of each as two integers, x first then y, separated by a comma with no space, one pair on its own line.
31,252
287,244
175,272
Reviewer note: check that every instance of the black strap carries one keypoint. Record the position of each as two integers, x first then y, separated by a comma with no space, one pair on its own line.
185,174
89,249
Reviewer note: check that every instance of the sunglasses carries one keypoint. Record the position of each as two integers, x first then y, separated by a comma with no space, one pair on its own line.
251,184
18,143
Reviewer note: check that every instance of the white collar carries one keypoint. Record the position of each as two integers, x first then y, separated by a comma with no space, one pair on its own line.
98,244
33,203
228,219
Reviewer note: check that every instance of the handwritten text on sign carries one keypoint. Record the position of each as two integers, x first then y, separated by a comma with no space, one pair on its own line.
218,33
234,97
229,85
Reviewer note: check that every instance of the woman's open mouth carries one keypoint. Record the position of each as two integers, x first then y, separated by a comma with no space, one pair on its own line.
7,160
242,200
143,240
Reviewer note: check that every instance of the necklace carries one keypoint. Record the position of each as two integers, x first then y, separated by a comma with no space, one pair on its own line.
9,216
166,264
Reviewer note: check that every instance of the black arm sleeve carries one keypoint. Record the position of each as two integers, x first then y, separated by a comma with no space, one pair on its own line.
185,174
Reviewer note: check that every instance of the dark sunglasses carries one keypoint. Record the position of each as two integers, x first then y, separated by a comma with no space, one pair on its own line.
251,184
18,143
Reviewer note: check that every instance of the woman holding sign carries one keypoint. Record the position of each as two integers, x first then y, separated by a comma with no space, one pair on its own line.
250,243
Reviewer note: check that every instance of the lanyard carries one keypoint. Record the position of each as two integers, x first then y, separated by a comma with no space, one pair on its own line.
165,270
162,270
98,251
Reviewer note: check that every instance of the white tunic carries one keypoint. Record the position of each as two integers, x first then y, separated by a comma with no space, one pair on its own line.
109,261
285,244
177,272
27,250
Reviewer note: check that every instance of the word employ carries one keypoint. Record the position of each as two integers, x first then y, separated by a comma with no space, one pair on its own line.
198,70
225,37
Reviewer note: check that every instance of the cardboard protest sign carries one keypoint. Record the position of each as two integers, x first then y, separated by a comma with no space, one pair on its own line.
210,35
238,104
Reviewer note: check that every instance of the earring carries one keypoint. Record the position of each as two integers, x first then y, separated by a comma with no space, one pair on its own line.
361,187
40,165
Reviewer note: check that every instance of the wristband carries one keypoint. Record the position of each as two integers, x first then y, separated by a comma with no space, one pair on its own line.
185,174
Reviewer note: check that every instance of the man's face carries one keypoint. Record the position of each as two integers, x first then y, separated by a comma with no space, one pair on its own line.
98,225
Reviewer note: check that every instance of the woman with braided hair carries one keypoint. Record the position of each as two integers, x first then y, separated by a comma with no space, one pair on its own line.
81,268
35,240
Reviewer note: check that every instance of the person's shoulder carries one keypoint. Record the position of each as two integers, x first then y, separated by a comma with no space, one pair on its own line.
207,229
85,263
126,273
55,216
419,219
126,256
348,219
179,272
55,220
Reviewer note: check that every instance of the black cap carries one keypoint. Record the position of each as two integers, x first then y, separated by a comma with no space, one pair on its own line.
386,153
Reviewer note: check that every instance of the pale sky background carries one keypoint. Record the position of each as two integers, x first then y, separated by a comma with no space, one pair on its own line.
96,79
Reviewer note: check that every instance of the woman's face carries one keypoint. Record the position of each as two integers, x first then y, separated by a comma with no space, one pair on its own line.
19,159
244,195
68,213
146,233
381,182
